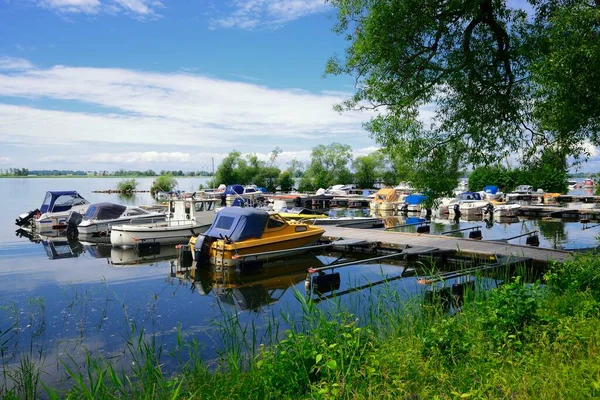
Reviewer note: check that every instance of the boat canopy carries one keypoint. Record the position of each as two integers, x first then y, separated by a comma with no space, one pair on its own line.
415,199
262,189
58,201
234,189
386,194
469,196
238,224
105,211
491,189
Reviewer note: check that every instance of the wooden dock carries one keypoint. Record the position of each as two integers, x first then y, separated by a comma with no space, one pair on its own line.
560,212
399,240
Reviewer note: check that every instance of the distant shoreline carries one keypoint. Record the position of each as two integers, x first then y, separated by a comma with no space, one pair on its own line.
103,176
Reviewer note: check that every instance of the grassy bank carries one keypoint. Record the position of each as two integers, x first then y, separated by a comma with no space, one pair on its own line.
518,341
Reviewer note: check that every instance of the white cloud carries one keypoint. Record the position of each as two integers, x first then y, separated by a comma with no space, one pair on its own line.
261,14
13,63
73,6
146,116
4,160
139,8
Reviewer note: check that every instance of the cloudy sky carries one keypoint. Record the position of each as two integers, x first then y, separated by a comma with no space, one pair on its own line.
169,84
105,84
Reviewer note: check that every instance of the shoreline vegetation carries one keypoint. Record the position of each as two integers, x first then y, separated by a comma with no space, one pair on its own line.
520,340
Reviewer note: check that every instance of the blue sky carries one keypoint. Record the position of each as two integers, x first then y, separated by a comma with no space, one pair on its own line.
105,84
169,84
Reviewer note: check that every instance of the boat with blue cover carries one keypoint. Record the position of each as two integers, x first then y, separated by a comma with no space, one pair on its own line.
240,232
54,211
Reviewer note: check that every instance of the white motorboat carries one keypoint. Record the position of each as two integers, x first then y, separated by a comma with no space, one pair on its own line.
100,217
414,203
184,219
506,210
54,211
468,203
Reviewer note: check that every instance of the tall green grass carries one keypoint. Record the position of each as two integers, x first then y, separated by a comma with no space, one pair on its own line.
520,340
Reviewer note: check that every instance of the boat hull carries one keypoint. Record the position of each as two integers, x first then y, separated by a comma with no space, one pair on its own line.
221,254
48,222
100,227
130,235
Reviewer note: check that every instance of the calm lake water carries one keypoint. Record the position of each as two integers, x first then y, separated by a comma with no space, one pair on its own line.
60,298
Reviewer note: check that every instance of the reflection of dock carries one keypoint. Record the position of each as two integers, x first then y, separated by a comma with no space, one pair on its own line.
398,240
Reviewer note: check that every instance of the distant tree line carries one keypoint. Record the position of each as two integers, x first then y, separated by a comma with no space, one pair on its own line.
14,172
329,165
120,172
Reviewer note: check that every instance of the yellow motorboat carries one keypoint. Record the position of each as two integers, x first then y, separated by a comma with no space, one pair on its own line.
302,214
247,234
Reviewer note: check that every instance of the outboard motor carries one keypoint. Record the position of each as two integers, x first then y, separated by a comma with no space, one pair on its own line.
404,208
298,201
24,219
73,220
457,210
489,209
223,200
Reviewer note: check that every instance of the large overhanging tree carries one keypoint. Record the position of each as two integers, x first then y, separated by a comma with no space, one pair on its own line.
500,82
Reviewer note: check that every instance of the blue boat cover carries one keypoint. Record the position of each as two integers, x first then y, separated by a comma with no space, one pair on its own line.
238,224
68,199
415,199
262,189
491,189
233,189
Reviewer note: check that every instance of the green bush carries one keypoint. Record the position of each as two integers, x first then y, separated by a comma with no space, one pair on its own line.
286,181
127,185
163,183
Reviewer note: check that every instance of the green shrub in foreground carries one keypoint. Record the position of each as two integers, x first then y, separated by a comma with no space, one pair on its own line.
517,341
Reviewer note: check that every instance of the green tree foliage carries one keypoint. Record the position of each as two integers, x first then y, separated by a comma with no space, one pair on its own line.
163,183
286,181
498,82
127,185
368,169
548,174
296,168
329,165
235,169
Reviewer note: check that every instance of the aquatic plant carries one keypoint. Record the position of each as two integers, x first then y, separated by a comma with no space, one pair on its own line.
127,185
163,183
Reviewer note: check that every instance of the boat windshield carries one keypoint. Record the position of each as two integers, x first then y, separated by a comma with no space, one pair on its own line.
64,202
469,196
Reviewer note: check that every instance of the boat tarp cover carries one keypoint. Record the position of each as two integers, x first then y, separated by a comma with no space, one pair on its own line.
386,194
415,199
233,189
105,211
238,224
71,198
491,189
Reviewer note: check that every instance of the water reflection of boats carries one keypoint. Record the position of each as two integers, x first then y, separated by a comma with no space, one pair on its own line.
57,244
123,257
247,290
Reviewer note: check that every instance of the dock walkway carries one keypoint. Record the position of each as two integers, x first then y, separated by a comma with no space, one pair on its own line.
398,240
